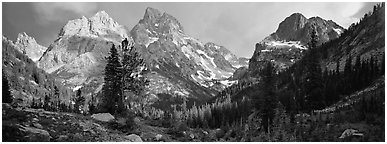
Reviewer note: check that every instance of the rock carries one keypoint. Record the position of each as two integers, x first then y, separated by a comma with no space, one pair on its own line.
29,46
134,138
105,117
62,138
35,119
36,135
350,132
92,132
192,136
218,133
158,137
205,132
37,125
77,136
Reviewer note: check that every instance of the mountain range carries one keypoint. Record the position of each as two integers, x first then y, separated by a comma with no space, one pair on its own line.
180,65
285,46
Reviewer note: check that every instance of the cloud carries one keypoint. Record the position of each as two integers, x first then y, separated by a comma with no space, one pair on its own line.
53,12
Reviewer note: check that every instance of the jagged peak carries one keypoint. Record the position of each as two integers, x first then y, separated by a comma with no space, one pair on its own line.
95,25
152,13
101,15
24,37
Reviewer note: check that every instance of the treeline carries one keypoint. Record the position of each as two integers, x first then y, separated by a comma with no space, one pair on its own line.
214,115
338,47
53,103
331,85
26,79
335,83
232,90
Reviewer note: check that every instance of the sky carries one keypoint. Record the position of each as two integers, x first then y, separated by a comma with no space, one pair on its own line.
237,26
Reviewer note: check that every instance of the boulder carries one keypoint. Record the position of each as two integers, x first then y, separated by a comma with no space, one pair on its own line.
36,135
350,132
158,137
37,125
133,138
105,117
62,138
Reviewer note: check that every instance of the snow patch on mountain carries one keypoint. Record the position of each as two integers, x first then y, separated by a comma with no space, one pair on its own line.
77,88
338,31
151,40
228,82
285,44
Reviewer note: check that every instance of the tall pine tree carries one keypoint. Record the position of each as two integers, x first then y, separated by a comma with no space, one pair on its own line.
133,73
113,82
267,102
313,81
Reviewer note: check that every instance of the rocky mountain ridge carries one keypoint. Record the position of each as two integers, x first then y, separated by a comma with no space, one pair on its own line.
180,65
28,46
285,46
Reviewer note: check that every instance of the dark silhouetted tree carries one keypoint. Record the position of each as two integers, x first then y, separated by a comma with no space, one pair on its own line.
7,97
112,91
312,82
268,99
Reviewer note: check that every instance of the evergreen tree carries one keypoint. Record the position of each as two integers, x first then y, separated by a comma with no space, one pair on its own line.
79,101
268,100
47,105
6,94
313,82
113,82
56,95
348,71
133,72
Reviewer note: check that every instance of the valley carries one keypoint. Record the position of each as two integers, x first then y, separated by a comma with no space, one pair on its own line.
311,80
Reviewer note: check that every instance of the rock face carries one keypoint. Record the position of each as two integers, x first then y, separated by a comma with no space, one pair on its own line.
28,46
365,39
134,138
105,117
297,27
182,63
285,46
36,135
26,80
77,57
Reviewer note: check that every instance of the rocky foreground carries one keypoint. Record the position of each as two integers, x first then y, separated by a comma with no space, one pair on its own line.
38,125
34,125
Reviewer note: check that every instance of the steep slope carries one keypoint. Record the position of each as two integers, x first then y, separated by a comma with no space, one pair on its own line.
364,39
27,81
285,46
179,64
185,63
28,46
77,56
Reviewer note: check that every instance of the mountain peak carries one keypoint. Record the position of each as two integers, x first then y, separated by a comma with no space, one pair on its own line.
28,45
99,24
152,14
297,15
24,38
101,15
